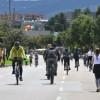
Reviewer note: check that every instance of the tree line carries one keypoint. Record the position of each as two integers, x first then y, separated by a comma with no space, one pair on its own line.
82,30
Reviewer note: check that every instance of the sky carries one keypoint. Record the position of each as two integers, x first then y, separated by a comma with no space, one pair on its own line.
48,7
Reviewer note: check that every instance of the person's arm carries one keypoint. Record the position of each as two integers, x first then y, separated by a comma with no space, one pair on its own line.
23,53
58,55
11,53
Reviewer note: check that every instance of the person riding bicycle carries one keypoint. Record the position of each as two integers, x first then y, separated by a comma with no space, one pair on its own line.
51,56
89,56
76,56
66,58
36,58
31,56
17,54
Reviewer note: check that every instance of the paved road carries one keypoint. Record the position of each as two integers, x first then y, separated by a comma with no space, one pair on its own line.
76,86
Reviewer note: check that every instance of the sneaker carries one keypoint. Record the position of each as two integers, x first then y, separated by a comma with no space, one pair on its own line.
21,79
98,90
13,72
69,68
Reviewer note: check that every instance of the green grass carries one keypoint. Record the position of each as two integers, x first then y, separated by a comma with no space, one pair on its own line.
9,62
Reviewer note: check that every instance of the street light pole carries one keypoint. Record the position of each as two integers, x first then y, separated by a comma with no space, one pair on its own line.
9,9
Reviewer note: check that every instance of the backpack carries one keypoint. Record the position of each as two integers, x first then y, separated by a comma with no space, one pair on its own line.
51,53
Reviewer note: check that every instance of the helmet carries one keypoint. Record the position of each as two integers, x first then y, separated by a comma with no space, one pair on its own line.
17,43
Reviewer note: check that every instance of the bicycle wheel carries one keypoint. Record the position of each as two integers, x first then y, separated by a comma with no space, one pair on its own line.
90,67
17,77
66,68
17,74
52,79
77,65
52,71
17,80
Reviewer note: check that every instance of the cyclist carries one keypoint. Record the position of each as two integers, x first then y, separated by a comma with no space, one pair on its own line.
66,57
90,55
17,53
51,55
96,69
31,56
76,56
36,58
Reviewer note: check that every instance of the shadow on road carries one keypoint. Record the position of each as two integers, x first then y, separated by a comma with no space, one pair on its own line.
44,79
13,84
48,84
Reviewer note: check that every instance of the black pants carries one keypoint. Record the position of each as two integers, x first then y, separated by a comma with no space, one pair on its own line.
76,61
96,70
20,62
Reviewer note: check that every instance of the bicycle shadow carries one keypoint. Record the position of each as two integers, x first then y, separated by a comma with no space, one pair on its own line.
48,84
13,84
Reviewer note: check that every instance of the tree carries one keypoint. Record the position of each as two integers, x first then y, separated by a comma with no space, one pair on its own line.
97,31
98,11
76,13
87,11
83,30
58,23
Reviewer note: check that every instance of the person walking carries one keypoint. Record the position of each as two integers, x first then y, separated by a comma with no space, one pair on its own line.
96,68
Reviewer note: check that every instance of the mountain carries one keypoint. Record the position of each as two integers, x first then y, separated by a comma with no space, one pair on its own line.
47,8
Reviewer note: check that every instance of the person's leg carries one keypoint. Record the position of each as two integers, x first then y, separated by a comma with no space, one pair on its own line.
13,66
64,64
97,82
68,62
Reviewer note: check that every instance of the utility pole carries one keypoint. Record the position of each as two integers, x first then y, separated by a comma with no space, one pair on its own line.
9,9
9,15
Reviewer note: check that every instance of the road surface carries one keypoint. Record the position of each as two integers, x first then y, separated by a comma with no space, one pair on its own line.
76,86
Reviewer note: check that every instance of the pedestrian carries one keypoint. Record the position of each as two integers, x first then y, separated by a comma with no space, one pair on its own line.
96,69
1,56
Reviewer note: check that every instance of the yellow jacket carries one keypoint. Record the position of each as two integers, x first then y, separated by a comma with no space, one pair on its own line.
17,53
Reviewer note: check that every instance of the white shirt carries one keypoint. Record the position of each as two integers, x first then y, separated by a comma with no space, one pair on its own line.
96,60
90,53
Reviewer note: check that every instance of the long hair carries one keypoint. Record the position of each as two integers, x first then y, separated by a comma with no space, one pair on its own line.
97,51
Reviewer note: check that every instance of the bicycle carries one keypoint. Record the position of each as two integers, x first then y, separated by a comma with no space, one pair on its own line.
17,72
36,62
67,68
52,73
77,65
90,65
30,60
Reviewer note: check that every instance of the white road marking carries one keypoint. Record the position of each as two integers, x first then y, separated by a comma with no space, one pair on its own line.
64,72
61,89
62,82
59,98
63,77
